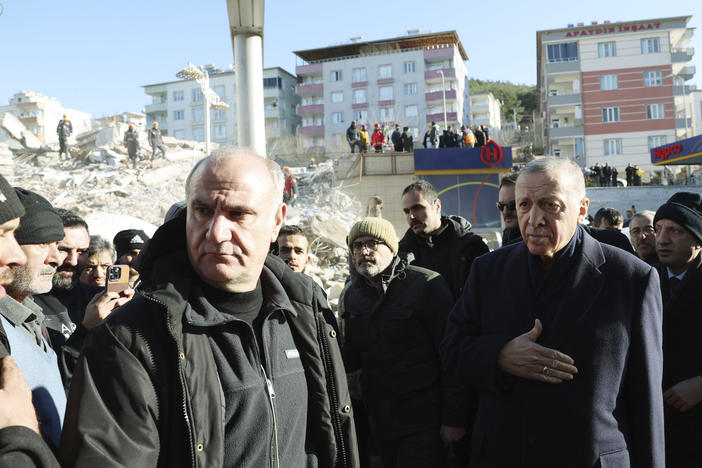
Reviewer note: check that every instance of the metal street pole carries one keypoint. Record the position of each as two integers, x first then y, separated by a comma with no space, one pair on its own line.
443,88
206,96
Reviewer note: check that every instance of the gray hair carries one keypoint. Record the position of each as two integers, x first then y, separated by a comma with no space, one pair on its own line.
222,154
644,213
99,244
548,165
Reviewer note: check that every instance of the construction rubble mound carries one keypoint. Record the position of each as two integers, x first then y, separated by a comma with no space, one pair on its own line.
99,183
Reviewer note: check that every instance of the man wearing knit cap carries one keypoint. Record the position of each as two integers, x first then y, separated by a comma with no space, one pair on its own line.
38,234
128,244
20,442
678,226
395,317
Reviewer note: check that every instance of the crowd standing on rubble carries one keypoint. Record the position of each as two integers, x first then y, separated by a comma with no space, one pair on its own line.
222,348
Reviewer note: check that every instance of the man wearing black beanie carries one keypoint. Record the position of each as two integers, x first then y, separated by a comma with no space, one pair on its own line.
20,442
38,234
678,225
128,244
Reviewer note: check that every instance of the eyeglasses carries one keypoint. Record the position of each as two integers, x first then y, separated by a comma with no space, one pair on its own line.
648,230
512,205
370,244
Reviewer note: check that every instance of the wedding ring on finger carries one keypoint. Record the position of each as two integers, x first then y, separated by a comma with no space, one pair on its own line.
544,371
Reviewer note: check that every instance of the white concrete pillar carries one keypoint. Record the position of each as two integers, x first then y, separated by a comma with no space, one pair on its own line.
248,67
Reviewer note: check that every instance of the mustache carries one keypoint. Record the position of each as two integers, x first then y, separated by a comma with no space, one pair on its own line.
48,270
6,276
70,268
366,258
537,231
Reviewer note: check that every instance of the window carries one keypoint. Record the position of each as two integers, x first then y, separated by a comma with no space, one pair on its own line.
179,134
198,115
410,67
606,49
410,111
384,71
337,96
566,52
219,114
178,95
657,140
655,111
410,88
337,117
178,115
653,78
610,114
385,93
649,46
359,75
336,75
199,134
360,96
219,89
387,114
197,95
608,82
220,132
272,83
612,146
360,116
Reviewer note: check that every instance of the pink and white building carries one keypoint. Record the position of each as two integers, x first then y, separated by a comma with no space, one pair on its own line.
611,91
389,81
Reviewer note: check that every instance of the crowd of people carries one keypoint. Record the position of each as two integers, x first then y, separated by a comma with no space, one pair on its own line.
607,176
567,346
401,139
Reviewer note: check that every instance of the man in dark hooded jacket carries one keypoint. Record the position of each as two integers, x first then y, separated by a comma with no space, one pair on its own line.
444,244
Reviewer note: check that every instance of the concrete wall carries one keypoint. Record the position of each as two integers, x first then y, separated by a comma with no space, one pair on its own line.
644,198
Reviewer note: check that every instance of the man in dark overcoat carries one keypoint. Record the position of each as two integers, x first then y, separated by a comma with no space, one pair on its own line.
567,356
678,226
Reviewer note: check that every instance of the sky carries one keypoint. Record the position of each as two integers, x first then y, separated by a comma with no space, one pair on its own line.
95,56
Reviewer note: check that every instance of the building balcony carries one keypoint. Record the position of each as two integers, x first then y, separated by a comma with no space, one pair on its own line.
682,55
687,73
310,109
563,67
273,113
683,90
359,84
359,105
312,89
439,95
565,100
386,102
382,81
440,52
683,123
434,74
566,132
33,121
312,69
314,130
156,107
30,105
439,118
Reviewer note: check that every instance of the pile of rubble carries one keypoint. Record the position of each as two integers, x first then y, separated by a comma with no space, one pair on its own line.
98,183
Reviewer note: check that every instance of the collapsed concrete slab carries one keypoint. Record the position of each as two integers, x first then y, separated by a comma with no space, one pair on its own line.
16,129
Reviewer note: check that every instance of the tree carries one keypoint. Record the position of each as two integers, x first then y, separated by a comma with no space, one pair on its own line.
520,98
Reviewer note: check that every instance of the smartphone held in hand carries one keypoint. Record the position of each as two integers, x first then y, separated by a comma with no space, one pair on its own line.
117,278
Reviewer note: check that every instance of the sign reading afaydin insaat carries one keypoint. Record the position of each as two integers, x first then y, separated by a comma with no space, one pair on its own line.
613,29
686,148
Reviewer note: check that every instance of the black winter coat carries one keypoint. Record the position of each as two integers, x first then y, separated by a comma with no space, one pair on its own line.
148,387
682,360
452,252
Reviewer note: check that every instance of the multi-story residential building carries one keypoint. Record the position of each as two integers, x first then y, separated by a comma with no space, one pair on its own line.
280,110
696,112
41,115
486,110
611,91
178,106
391,81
